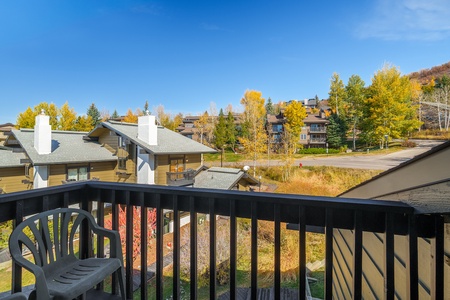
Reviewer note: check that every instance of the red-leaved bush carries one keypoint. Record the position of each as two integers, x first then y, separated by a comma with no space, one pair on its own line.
122,227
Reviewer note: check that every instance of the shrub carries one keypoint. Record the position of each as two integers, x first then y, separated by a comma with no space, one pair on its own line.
318,151
408,144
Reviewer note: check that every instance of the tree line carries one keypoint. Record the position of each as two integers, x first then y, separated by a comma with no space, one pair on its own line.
390,107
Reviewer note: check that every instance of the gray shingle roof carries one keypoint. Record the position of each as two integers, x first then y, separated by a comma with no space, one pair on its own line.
221,178
10,159
67,147
169,142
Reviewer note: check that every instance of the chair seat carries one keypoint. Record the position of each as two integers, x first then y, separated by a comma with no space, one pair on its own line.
70,281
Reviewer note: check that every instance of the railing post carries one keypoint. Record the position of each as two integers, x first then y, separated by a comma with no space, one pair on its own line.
357,255
437,271
176,249
233,248
413,270
277,262
129,246
101,223
16,278
114,226
144,245
329,254
254,251
389,280
193,245
302,254
159,247
212,249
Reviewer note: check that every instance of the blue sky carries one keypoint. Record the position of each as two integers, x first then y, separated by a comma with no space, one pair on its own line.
187,54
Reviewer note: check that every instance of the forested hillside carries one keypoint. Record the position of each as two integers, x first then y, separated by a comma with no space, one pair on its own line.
425,75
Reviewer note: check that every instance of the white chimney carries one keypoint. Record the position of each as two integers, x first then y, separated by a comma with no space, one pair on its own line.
43,134
147,129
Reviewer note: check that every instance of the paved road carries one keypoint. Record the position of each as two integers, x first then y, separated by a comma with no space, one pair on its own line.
362,161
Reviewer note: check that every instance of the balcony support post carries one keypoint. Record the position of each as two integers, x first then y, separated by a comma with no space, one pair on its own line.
16,277
329,254
129,246
412,269
193,245
437,274
357,255
233,248
212,249
100,222
277,264
159,246
389,279
176,249
144,241
254,251
302,254
115,226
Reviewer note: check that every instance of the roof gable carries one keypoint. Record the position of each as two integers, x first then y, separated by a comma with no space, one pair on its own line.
67,147
169,142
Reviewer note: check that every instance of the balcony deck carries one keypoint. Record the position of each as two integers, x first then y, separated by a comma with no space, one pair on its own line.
386,218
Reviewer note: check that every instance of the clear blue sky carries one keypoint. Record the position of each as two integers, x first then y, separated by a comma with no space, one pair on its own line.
187,54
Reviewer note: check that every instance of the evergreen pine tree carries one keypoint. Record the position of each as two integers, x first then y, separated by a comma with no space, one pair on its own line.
115,115
336,132
94,114
231,130
220,132
270,110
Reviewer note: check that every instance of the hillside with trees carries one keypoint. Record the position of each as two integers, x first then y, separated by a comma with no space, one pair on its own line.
426,75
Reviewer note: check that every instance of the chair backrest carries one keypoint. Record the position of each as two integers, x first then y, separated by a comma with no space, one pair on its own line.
50,235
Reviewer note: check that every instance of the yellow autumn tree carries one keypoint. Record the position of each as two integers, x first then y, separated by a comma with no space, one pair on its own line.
391,112
67,118
254,136
130,117
83,123
294,113
26,119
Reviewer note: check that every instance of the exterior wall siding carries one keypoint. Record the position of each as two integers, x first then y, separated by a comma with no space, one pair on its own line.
57,174
104,171
11,180
110,141
162,167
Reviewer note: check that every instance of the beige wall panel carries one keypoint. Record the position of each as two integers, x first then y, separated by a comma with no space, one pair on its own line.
57,174
104,171
193,161
341,273
344,259
109,141
162,167
373,277
11,180
427,170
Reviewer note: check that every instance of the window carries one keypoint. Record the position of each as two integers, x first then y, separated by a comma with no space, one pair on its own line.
122,163
176,166
27,170
303,136
77,174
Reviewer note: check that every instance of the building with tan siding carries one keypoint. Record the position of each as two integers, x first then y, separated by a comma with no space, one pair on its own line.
115,152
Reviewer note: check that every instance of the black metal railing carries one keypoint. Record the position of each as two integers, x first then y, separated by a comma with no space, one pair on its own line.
384,217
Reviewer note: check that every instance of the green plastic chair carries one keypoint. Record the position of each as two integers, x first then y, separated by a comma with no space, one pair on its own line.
16,296
59,273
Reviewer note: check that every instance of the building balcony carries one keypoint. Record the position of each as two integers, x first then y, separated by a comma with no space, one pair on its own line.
184,178
317,130
332,217
318,140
